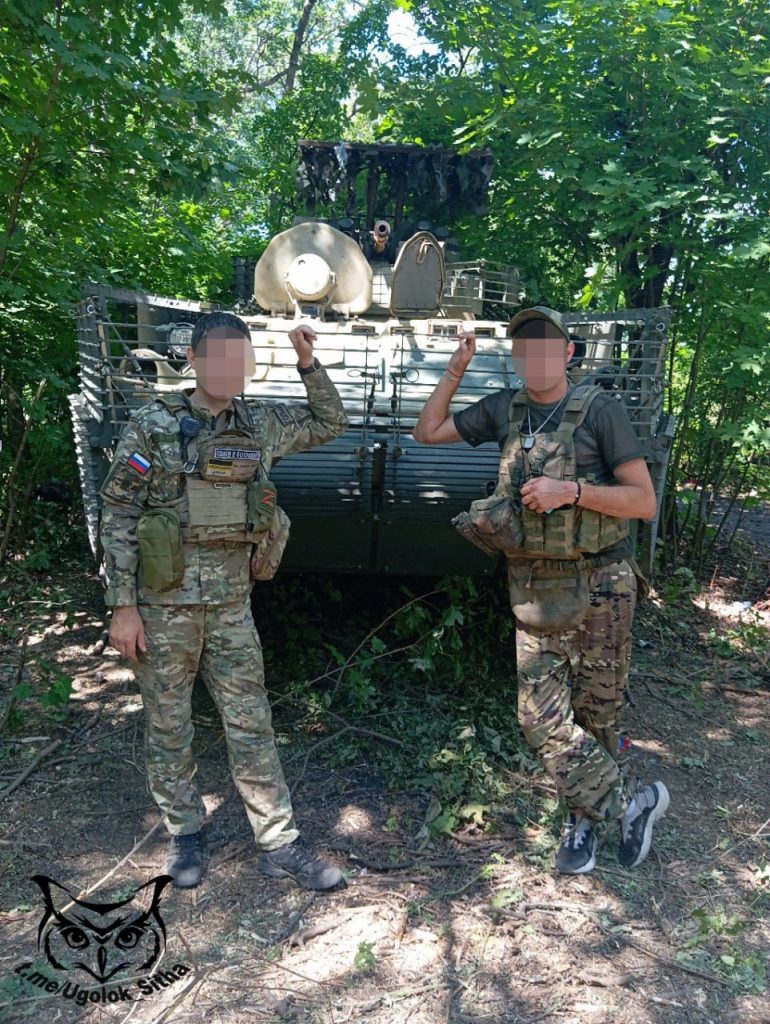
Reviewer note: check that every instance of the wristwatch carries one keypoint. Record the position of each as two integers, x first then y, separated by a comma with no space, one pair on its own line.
305,370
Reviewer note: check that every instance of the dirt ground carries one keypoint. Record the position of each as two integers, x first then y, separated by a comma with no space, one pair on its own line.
471,928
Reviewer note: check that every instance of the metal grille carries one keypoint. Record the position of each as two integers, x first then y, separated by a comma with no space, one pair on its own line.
481,283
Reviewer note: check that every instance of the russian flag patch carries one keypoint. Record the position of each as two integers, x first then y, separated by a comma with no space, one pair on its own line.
139,463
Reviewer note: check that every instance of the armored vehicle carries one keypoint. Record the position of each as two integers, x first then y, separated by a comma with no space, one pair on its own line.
387,295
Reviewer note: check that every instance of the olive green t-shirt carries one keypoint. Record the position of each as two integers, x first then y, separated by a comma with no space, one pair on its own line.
604,440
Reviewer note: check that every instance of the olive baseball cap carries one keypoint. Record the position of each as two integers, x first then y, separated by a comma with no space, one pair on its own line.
537,313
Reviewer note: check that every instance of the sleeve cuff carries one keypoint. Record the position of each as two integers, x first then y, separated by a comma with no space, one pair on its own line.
304,371
461,430
120,594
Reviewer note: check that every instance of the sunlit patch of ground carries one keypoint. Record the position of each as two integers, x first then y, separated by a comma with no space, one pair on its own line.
732,613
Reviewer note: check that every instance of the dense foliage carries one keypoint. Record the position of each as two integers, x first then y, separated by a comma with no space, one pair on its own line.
148,144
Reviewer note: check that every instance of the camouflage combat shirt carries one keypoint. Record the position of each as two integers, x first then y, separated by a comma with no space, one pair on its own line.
146,473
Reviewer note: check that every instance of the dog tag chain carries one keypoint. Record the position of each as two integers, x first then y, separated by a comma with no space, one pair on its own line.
529,441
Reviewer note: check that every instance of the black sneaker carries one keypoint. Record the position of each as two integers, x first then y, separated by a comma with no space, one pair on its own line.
299,862
184,860
577,853
648,806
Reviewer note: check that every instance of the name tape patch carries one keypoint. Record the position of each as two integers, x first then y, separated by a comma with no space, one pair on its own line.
236,454
139,463
215,468
283,415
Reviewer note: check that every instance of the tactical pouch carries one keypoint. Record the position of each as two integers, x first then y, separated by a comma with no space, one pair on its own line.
549,598
551,534
492,524
267,553
596,531
216,505
161,555
261,504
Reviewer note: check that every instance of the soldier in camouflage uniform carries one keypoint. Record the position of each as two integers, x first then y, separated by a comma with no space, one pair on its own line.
187,496
572,475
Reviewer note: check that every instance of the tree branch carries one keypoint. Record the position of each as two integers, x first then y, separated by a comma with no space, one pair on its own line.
299,39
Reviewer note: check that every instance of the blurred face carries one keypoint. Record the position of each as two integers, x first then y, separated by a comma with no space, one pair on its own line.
541,362
223,363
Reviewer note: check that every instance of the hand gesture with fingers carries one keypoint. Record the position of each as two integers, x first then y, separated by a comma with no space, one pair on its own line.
461,357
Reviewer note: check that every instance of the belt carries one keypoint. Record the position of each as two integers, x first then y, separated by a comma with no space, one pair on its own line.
570,564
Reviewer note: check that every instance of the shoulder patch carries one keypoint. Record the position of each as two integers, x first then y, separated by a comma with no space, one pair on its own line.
284,414
139,463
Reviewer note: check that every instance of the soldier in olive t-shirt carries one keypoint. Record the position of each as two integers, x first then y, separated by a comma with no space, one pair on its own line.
571,575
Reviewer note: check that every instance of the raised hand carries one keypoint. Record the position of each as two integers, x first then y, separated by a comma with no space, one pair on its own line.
302,338
465,351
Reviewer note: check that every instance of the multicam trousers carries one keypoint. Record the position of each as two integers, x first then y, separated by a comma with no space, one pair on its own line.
571,695
219,640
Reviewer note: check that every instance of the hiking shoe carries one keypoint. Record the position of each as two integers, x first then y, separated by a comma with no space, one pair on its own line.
648,806
577,853
297,861
184,860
